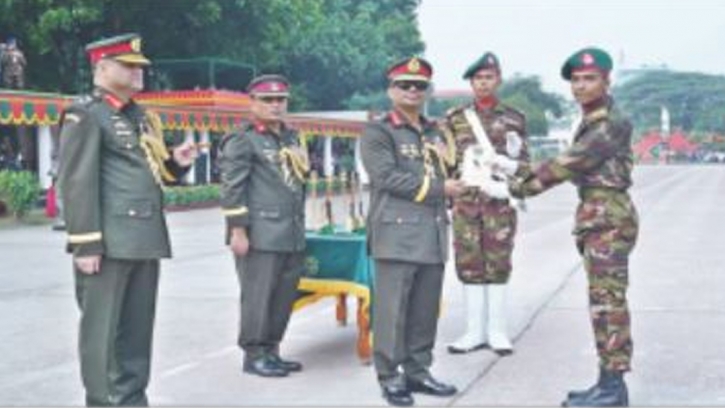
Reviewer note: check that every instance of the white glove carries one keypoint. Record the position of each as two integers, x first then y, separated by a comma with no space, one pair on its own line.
514,144
496,189
474,171
505,165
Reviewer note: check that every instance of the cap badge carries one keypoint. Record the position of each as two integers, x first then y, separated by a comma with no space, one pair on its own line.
136,45
414,65
587,59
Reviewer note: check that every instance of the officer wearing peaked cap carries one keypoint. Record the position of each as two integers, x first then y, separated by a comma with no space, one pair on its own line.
407,157
599,164
264,168
113,162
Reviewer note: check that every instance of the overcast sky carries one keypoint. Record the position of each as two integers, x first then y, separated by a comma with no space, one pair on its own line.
535,37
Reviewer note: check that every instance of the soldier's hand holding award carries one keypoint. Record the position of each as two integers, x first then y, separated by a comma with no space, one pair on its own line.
478,170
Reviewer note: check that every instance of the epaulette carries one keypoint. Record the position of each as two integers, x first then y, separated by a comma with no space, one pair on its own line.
597,115
457,110
83,99
514,112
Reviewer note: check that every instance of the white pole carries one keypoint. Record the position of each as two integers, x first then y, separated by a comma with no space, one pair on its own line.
44,162
359,168
205,152
328,164
191,175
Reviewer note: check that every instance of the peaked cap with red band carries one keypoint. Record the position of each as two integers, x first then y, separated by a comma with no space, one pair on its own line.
587,59
411,69
269,85
124,48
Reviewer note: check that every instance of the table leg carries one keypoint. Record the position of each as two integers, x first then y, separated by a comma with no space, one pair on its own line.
341,309
364,351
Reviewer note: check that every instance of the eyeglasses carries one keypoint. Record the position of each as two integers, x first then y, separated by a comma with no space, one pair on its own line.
411,85
272,99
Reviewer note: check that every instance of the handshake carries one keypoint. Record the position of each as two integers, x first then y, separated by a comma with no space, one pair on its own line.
488,172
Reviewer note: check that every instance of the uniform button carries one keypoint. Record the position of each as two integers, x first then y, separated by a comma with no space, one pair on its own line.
129,145
132,213
399,220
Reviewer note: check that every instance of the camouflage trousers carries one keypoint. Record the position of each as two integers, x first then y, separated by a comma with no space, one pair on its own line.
483,239
606,248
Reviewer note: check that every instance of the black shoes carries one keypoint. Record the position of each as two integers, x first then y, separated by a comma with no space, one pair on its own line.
397,395
270,365
431,386
263,366
291,366
609,391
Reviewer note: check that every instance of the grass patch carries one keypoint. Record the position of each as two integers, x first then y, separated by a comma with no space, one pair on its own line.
32,218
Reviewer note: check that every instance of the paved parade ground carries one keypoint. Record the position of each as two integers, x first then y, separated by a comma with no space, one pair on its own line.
677,283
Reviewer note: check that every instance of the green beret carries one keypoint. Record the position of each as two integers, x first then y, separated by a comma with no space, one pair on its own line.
487,61
585,59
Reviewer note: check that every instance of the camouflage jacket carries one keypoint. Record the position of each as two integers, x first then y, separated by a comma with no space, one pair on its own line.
599,157
497,122
599,163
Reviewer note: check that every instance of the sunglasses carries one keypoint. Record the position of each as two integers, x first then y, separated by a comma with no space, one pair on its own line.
411,85
272,99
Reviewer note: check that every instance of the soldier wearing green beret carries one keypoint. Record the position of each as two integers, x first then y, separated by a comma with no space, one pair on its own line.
264,168
406,157
484,227
599,163
113,162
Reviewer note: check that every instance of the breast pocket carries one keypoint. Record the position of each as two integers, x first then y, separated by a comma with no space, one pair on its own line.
400,219
268,213
137,209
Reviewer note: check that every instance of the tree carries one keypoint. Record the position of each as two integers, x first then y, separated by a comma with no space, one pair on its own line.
696,101
330,49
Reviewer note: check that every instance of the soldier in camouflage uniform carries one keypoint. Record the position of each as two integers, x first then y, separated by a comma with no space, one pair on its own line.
599,163
484,227
264,168
112,165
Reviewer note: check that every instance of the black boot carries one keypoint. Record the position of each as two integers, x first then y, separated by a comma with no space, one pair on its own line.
609,391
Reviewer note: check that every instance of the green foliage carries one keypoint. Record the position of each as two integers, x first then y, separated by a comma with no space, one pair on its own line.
523,93
186,195
330,49
696,102
526,94
19,190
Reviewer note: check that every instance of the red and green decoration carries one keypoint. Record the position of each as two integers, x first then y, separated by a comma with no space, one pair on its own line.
30,109
42,109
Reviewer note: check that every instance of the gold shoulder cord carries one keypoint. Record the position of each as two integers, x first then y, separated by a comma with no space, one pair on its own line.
154,147
298,163
444,161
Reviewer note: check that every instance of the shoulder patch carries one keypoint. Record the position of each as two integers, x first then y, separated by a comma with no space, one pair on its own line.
456,110
519,115
597,115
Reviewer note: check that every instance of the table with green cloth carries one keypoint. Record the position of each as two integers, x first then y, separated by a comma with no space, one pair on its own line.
338,265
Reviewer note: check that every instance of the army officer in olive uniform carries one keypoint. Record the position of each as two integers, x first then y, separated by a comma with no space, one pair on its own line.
406,157
263,174
112,165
